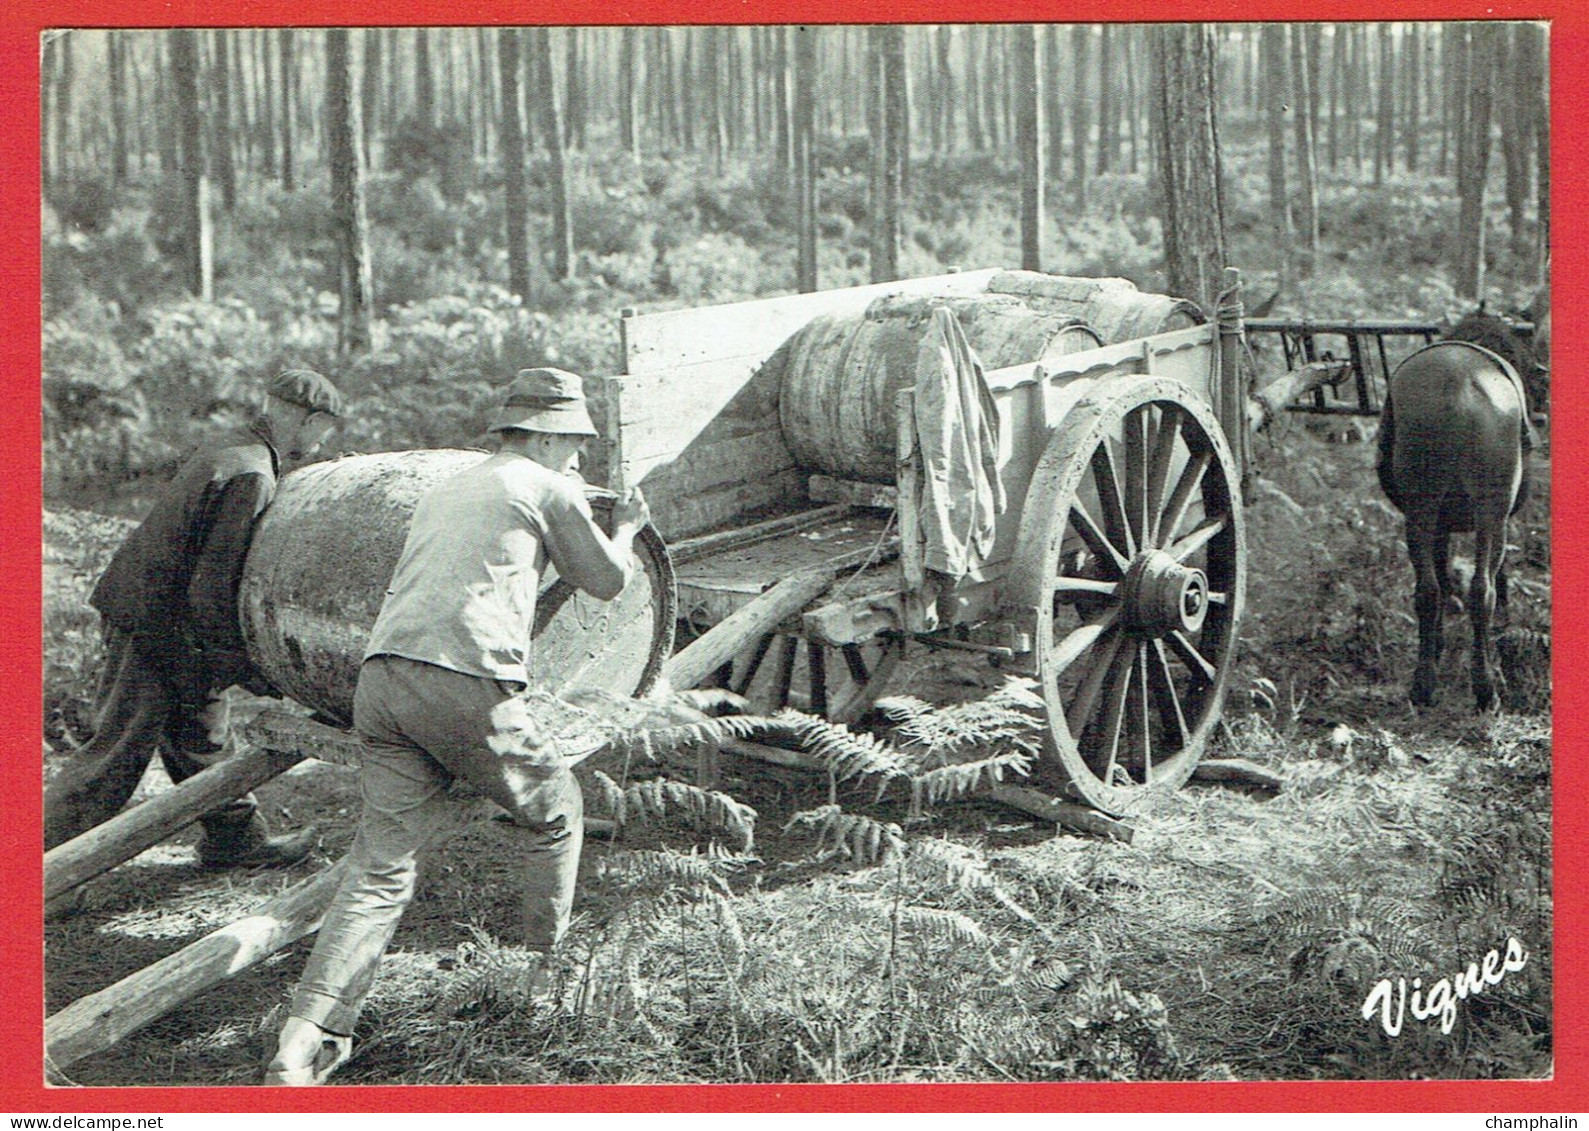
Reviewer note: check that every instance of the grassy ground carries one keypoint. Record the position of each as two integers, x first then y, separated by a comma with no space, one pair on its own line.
1237,936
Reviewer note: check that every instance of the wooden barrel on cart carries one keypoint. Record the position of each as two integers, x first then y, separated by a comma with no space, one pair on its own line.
841,372
1114,308
323,556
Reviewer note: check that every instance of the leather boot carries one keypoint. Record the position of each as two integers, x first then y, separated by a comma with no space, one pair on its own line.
241,840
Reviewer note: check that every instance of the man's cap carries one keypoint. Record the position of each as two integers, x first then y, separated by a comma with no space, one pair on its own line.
545,400
306,389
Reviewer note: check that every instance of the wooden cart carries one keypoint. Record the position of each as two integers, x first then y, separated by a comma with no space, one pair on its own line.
1118,567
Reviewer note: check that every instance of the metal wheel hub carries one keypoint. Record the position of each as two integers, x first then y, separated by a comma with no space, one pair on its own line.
1163,596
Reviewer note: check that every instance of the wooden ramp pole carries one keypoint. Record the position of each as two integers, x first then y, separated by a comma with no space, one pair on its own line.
280,741
122,837
725,640
94,1023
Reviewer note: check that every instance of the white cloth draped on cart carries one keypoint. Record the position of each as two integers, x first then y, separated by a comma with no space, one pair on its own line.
957,432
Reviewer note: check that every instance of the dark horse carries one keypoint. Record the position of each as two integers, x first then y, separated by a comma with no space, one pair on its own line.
1453,445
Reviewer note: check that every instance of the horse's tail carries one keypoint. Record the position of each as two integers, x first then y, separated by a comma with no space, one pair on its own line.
1387,445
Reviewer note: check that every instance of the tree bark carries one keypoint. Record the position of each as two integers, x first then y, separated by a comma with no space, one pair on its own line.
288,57
197,261
1276,98
1474,161
973,90
1412,111
1107,125
1029,135
1308,221
511,147
783,139
343,130
370,95
1517,135
225,168
887,45
118,106
803,128
424,79
1186,134
1384,132
1081,105
628,92
552,134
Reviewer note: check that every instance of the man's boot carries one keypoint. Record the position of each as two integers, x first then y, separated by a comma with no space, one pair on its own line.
240,839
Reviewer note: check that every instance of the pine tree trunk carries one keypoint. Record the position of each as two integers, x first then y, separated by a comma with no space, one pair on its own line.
1517,135
424,79
1337,77
1029,133
628,90
65,159
1086,91
552,134
1384,132
1276,98
223,163
1537,36
511,147
1106,100
973,88
1302,98
1474,160
1131,104
992,73
197,262
1186,137
118,106
885,202
166,110
343,131
1412,112
1053,107
370,96
288,57
803,127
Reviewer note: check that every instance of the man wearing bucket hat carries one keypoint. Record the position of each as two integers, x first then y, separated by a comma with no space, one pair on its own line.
168,613
438,699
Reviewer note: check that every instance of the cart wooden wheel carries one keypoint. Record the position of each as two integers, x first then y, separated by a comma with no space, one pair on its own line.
836,683
1132,559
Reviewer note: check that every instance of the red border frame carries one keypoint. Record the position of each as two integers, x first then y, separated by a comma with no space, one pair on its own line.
21,929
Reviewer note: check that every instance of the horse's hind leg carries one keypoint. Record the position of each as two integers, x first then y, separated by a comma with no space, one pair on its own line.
1423,537
1450,602
1489,549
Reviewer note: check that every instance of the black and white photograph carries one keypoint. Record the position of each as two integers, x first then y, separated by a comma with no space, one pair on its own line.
845,554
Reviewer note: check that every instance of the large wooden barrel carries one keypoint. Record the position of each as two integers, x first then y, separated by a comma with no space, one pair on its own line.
323,555
841,372
1113,307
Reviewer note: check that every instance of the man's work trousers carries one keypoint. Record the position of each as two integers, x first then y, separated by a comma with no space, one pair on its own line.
137,710
422,727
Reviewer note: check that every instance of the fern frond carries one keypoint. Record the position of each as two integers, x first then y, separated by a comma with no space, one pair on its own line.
610,796
951,928
938,860
690,872
661,798
865,840
842,752
956,780
1008,716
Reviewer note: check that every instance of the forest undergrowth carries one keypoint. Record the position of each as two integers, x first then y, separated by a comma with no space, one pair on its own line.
872,924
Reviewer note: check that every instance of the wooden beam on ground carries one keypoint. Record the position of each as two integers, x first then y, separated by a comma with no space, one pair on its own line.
96,1022
761,615
1047,808
1238,771
124,836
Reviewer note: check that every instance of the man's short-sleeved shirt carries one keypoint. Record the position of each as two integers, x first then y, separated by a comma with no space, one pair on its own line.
463,594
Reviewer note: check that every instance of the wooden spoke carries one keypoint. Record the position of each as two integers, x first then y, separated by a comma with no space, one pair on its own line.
1080,709
1114,710
1114,510
1193,659
817,671
1139,701
1175,509
1198,538
1078,642
1096,541
1159,467
1085,585
756,658
1136,457
1218,597
1170,712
